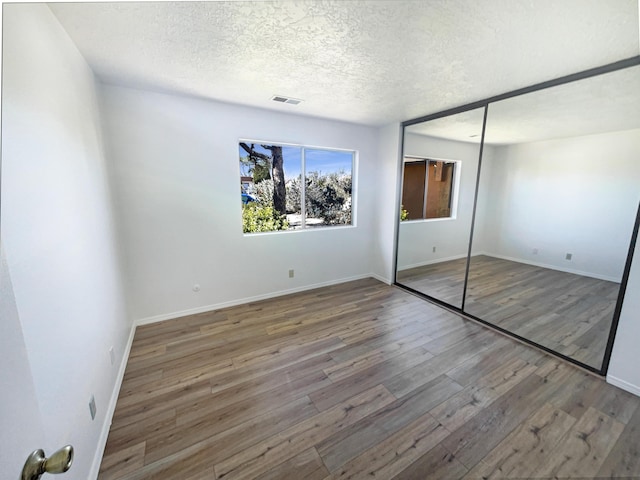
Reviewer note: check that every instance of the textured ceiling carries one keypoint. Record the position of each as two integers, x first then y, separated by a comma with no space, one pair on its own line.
605,103
370,62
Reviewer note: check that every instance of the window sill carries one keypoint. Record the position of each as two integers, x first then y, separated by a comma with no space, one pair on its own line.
429,220
300,230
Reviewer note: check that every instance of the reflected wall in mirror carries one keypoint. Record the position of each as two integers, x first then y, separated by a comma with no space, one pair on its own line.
440,167
557,200
557,197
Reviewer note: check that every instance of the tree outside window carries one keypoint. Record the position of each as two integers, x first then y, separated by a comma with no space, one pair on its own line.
288,187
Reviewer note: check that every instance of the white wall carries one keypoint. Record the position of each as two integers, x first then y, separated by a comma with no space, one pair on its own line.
623,369
57,231
386,205
575,195
20,419
176,173
449,236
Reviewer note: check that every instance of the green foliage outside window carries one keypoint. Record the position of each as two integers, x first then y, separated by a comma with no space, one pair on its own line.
403,214
260,218
329,197
275,179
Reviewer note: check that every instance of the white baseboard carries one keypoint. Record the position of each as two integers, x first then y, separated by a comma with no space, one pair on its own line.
518,260
111,408
240,301
431,262
551,267
380,278
624,385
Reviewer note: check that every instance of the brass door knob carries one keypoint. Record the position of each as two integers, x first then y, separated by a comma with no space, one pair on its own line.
37,464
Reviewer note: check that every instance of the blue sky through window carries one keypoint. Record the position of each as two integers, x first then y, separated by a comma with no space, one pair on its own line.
317,160
328,161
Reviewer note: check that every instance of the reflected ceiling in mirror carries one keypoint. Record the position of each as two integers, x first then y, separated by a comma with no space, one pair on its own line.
604,103
462,127
558,112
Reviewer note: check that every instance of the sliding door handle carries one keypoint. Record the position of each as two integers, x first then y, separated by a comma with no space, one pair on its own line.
37,464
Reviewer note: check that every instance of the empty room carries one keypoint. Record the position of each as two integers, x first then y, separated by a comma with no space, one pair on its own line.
320,239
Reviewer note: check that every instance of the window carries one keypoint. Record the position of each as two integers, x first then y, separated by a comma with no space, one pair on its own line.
292,187
428,189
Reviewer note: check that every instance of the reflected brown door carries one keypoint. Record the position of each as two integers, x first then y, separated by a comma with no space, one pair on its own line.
439,182
413,189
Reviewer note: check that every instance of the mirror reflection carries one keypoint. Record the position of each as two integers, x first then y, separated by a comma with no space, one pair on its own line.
558,194
440,167
557,200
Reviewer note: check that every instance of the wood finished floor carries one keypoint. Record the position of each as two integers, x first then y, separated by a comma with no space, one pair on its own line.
359,380
568,313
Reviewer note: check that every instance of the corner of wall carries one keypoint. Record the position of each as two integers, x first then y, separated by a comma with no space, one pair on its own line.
624,385
387,202
68,289
111,408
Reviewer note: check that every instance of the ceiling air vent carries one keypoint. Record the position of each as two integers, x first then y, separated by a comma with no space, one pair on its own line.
289,100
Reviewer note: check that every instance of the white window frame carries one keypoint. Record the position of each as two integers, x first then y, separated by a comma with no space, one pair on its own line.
455,186
354,187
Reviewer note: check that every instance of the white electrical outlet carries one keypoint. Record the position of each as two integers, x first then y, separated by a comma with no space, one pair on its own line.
196,288
291,272
112,355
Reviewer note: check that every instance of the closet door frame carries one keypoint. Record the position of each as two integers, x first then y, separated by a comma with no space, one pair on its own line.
609,68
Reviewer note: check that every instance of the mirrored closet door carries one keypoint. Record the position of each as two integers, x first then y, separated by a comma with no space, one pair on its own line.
539,241
439,172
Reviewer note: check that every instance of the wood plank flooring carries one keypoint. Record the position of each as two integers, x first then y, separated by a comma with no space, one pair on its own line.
568,313
359,380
